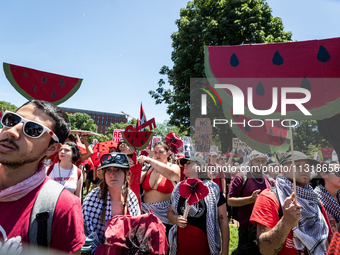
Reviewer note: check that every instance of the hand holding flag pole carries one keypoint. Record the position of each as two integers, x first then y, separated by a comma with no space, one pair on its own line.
293,163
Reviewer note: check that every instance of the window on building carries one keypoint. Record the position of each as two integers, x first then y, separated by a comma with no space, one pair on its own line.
98,119
94,119
115,121
107,119
110,120
102,120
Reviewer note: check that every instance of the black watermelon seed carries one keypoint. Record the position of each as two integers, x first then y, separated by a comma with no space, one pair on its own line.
146,135
128,135
234,60
281,138
136,135
44,80
305,84
247,128
260,89
142,142
34,89
54,93
323,55
62,82
277,59
24,75
271,131
132,142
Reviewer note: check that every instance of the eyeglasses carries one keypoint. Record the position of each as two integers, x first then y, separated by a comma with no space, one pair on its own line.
30,128
119,158
223,158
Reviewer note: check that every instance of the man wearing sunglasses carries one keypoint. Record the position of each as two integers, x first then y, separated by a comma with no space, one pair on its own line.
34,131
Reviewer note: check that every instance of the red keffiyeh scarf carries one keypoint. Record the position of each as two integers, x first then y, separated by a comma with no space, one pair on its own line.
21,189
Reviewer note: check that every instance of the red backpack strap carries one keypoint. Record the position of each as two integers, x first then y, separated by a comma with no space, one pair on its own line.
49,169
79,173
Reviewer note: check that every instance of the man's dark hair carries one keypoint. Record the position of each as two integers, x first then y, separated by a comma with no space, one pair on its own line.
62,124
75,151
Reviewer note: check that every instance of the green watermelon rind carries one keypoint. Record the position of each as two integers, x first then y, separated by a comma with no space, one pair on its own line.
10,78
256,145
141,147
325,111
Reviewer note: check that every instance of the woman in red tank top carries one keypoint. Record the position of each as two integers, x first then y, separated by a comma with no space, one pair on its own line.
158,182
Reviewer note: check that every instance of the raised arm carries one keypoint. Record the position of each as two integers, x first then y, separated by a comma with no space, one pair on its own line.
241,201
89,150
170,172
224,227
272,240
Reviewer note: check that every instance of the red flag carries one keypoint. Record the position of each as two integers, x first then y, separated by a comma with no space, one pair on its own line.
142,116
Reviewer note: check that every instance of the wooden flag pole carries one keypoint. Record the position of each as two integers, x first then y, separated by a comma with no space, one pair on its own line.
186,211
293,163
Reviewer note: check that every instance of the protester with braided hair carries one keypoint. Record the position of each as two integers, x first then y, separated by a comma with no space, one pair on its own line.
112,197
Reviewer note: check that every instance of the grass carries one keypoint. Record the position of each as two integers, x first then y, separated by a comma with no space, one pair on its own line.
233,242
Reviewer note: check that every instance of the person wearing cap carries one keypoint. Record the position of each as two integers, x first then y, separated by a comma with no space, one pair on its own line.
303,227
243,195
207,221
215,171
112,197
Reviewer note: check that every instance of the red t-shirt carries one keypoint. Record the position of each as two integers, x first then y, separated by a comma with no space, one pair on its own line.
266,212
67,227
251,185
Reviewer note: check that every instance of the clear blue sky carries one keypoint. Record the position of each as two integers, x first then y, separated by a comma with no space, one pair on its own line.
118,47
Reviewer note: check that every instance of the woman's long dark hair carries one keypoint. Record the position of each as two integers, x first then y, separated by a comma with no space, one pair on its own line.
75,151
103,192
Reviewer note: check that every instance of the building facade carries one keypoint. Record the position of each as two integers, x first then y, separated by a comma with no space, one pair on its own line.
102,119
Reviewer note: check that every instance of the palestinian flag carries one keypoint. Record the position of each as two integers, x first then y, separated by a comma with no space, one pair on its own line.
142,116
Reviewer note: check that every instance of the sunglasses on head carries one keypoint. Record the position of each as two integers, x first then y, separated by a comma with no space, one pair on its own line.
30,128
119,158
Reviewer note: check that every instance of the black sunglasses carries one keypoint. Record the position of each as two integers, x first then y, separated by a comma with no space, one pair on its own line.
31,128
119,158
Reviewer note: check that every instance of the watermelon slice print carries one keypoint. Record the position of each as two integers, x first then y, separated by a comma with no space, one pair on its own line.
35,84
138,139
313,65
272,137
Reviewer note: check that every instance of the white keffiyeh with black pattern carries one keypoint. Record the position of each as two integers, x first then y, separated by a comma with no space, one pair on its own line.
313,230
212,225
92,208
328,201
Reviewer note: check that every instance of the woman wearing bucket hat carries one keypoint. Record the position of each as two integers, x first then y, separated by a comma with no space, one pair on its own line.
112,197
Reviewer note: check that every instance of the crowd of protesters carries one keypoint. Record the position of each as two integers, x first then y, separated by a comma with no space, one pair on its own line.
288,211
